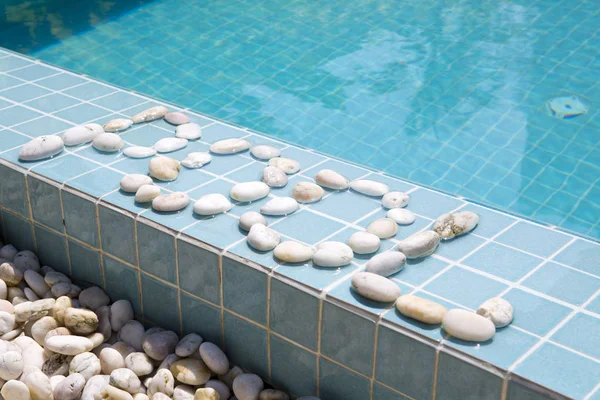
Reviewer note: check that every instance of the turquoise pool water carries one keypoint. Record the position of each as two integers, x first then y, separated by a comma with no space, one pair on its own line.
449,94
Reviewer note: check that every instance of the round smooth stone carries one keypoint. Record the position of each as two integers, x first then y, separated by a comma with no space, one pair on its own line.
26,260
164,168
65,289
420,244
10,274
279,206
293,252
171,358
395,200
86,364
60,331
190,371
121,312
132,182
112,393
162,382
41,327
497,310
364,243
11,365
4,289
230,376
468,326
139,152
33,309
147,193
247,387
177,118
8,253
70,388
189,131
455,224
30,294
167,145
274,177
122,347
248,219
68,344
39,386
93,298
370,188
94,386
206,394
150,114
185,392
263,238
273,394
401,216
125,379
79,135
375,287
229,146
60,306
265,152
249,191
55,380
188,345
332,254
220,387
15,390
383,228
132,334
34,280
332,180
56,364
140,363
212,204
41,147
111,359
288,165
53,277
104,327
160,344
117,125
7,306
423,310
171,202
108,142
196,160
307,192
214,358
386,264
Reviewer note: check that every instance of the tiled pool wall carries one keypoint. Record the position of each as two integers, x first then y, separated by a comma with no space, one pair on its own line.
298,326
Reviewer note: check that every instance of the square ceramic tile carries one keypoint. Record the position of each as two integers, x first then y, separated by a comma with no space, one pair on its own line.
82,113
201,318
45,203
98,182
42,126
188,179
535,314
61,81
294,313
457,248
90,153
347,338
263,258
576,334
122,282
516,390
382,393
304,157
594,305
346,205
156,252
245,290
533,239
80,218
251,171
64,168
315,277
8,82
308,227
582,255
293,369
117,233
88,91
246,344
176,220
560,370
119,101
51,249
221,165
23,93
18,231
336,382
502,261
160,302
490,222
126,201
219,231
219,131
455,379
52,103
85,264
198,271
132,165
11,62
404,363
431,204
11,139
13,194
350,172
144,135
34,72
419,270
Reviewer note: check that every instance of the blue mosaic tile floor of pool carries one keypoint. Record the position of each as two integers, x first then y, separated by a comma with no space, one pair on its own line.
447,94
551,277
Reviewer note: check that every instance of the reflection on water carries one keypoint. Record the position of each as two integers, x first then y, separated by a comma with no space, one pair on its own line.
451,94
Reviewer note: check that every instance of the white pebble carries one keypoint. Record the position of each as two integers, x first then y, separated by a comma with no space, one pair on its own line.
307,192
375,287
421,244
79,135
11,365
110,359
468,326
263,238
132,333
498,310
140,363
247,387
230,146
150,114
423,310
383,228
364,242
8,253
332,254
249,191
69,388
7,322
125,379
248,219
109,392
34,280
147,193
108,142
196,160
394,200
160,344
117,125
265,152
93,298
190,371
332,180
274,177
15,390
39,386
41,327
401,216
386,264
279,206
167,145
33,310
171,202
86,364
121,311
293,252
188,131
370,188
53,277
132,182
273,394
211,204
93,386
206,394
162,382
185,392
164,168
176,118
139,152
219,387
188,344
10,274
288,165
68,344
214,358
26,260
455,224
41,147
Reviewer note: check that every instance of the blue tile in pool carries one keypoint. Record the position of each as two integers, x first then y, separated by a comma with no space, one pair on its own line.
405,363
8,82
17,115
343,291
455,379
88,91
11,140
18,231
122,282
518,390
219,131
52,103
347,206
578,334
160,302
563,283
594,305
82,113
219,231
117,233
246,344
221,165
156,251
350,172
198,271
85,263
490,222
464,287
51,249
245,290
533,313
61,82
293,180
455,249
201,318
417,271
216,186
561,370
9,63
305,158
188,179
144,135
80,218
119,101
293,369
252,171
34,72
176,220
533,239
382,393
308,227
336,382
43,126
315,277
294,313
347,338
264,258
4,103
582,255
97,183
132,165
126,201
432,204
64,168
502,261
45,203
13,193
24,92
104,158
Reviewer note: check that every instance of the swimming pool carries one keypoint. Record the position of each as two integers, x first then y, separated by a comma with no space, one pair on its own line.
448,94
